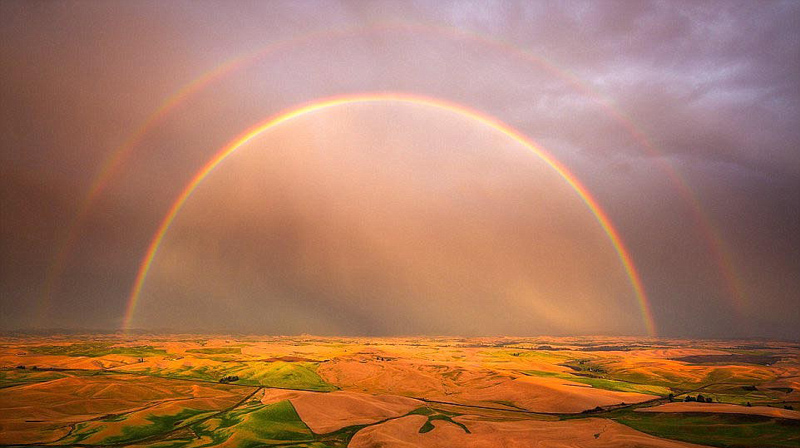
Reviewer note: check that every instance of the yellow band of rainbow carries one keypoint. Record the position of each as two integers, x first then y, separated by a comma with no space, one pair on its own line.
591,203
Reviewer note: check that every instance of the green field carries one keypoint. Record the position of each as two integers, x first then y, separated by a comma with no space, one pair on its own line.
256,424
95,350
434,415
216,351
15,377
602,383
289,375
722,430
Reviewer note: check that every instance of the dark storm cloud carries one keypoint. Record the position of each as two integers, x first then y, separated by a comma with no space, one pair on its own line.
714,85
716,79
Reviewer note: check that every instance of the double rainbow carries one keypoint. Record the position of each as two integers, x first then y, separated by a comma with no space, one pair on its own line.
117,158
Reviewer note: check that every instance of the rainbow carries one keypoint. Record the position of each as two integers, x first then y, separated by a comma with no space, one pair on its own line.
221,155
116,160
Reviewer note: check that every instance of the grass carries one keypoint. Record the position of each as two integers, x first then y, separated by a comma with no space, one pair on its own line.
216,351
295,375
606,374
603,383
741,395
433,415
249,426
731,359
339,438
722,430
94,350
663,383
17,377
586,365
678,382
289,375
541,373
620,386
428,425
540,355
82,432
279,421
158,424
255,425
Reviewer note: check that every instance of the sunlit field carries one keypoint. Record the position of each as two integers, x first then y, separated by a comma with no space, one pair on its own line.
195,390
399,224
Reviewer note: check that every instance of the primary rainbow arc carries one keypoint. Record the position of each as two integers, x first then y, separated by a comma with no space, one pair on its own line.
600,215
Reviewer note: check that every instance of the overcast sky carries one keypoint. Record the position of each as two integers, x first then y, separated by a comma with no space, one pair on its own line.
680,118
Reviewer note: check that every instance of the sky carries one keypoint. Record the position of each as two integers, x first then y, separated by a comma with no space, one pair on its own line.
512,168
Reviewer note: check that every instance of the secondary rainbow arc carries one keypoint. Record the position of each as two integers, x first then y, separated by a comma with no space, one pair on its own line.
602,218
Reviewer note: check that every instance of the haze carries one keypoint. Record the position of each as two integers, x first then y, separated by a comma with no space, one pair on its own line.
680,119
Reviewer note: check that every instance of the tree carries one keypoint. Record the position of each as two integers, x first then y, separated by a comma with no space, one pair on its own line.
228,379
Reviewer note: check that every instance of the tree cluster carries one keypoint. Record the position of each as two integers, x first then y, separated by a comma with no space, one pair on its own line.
700,399
228,379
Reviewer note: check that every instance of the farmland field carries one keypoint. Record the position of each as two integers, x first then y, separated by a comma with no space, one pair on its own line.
247,391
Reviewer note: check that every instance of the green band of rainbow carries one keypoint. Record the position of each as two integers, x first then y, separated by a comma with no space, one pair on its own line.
600,215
